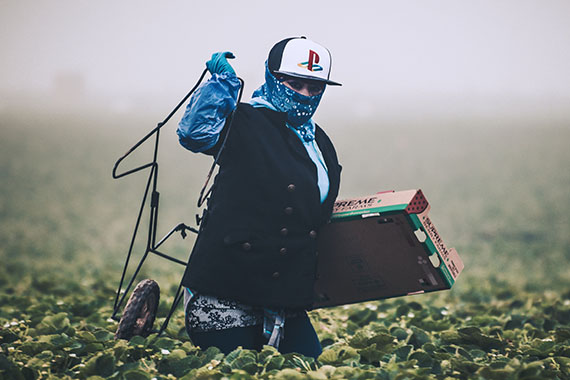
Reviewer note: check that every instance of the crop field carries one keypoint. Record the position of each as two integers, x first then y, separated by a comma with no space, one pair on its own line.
500,194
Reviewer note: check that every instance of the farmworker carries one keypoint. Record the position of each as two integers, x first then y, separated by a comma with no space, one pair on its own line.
250,277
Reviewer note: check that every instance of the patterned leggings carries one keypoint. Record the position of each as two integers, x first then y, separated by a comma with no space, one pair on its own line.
300,337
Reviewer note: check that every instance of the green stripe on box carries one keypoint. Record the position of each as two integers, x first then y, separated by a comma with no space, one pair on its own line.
442,267
448,278
351,213
430,245
415,221
433,251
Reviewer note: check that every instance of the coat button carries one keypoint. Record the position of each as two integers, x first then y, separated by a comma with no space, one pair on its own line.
284,231
283,251
313,234
288,210
316,253
246,246
291,188
275,275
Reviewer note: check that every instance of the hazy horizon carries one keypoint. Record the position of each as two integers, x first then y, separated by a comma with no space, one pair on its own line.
436,57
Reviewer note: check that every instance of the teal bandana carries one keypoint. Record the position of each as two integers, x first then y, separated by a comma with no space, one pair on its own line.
299,108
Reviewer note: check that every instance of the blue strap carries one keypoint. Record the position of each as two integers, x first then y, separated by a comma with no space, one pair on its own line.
273,327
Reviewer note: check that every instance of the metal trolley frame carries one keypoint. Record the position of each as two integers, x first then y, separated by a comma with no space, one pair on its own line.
151,191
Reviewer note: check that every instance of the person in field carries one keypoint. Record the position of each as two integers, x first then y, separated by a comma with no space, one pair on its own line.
250,277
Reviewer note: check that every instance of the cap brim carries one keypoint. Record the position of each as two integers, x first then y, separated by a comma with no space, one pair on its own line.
297,75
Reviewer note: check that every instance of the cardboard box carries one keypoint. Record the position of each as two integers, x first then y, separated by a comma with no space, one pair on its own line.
380,246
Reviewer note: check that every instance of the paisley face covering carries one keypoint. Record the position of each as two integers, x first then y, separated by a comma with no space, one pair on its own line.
299,108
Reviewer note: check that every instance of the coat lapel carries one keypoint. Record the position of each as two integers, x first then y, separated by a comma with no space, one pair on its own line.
333,169
326,148
279,119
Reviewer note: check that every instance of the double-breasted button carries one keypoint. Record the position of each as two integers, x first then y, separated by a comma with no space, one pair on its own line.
275,275
284,231
313,234
283,251
246,246
291,187
288,210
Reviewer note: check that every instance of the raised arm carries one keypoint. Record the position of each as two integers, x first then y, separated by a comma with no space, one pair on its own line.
209,106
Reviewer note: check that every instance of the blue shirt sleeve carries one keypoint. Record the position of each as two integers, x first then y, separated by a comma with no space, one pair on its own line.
207,111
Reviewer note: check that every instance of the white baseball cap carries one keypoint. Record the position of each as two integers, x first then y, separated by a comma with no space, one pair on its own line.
301,58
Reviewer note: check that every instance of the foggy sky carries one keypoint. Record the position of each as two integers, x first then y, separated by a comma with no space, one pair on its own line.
441,53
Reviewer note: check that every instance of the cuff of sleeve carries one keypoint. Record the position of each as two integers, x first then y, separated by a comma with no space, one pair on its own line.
198,145
230,81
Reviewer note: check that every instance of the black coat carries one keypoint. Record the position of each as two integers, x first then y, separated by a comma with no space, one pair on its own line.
257,243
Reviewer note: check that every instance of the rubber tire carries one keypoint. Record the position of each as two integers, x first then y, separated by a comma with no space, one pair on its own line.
140,311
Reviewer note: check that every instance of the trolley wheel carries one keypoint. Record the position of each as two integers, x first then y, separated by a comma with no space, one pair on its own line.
140,312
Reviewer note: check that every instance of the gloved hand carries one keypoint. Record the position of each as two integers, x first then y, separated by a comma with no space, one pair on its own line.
219,64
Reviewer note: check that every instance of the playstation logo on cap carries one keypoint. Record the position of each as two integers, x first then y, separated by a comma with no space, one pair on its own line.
301,58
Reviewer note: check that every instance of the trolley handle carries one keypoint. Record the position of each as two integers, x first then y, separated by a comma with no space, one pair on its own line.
152,132
202,197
